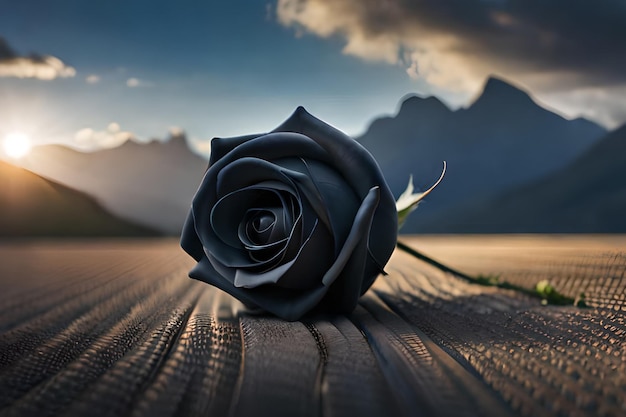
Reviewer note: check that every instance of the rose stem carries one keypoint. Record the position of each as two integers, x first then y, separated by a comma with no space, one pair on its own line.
553,298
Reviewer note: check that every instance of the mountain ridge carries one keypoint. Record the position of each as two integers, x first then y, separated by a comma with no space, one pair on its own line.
587,196
148,183
33,206
502,139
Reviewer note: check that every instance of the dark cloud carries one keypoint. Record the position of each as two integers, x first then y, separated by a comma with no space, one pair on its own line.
547,45
576,37
44,67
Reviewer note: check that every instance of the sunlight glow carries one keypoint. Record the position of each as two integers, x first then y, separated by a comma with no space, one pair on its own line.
16,145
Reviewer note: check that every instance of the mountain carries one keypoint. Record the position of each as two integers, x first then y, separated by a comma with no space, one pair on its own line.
502,140
587,196
151,184
33,206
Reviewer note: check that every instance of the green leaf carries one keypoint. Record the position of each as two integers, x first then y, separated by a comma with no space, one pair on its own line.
549,295
408,201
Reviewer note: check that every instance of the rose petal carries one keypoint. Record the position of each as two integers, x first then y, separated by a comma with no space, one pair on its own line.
221,146
220,256
227,214
290,207
358,234
233,178
302,272
227,272
348,273
345,154
285,303
312,196
270,146
244,279
248,171
230,210
263,226
276,146
358,166
340,201
268,253
189,240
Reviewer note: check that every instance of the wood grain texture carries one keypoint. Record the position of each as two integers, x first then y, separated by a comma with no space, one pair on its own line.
115,328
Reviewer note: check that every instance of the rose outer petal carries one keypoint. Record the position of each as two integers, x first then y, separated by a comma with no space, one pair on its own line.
339,199
282,302
221,146
189,240
360,228
361,170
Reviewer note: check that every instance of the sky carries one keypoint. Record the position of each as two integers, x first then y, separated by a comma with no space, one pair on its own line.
93,74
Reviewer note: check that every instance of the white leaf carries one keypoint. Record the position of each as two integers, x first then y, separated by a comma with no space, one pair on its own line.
408,201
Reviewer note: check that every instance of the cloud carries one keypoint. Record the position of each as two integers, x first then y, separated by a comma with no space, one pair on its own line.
43,67
136,82
607,106
132,82
455,44
111,137
176,132
92,79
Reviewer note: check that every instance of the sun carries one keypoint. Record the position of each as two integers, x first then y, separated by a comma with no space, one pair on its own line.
16,145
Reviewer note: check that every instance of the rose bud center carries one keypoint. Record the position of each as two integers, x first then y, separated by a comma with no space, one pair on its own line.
259,230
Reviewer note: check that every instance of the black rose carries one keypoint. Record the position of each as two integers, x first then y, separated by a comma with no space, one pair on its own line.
292,220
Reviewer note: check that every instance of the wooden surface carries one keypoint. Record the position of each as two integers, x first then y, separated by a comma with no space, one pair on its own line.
116,328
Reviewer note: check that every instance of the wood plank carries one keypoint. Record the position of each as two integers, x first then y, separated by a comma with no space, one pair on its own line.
116,328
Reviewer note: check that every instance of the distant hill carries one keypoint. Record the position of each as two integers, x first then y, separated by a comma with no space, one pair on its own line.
150,184
502,140
587,196
33,206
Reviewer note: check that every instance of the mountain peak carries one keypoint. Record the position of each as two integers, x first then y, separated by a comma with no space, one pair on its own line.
495,84
178,138
415,105
497,90
414,100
